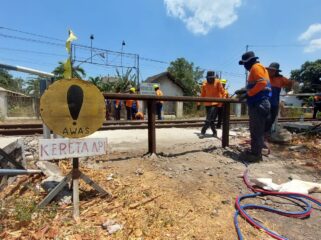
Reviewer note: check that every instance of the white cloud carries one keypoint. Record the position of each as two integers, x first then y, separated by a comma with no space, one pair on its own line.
311,32
200,16
313,37
314,45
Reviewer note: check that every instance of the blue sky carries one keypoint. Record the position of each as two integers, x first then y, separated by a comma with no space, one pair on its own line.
211,33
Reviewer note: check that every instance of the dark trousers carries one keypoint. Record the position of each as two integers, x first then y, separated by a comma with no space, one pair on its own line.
159,107
315,111
219,116
117,113
211,112
129,113
134,111
258,113
270,121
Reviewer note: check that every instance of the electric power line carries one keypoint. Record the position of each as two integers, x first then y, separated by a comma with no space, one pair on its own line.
34,52
30,40
278,45
32,34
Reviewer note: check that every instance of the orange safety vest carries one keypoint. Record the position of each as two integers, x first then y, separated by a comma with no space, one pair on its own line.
159,93
214,90
129,103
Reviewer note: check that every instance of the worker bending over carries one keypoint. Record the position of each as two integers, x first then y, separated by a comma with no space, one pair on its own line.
219,114
212,87
159,104
257,94
277,83
139,116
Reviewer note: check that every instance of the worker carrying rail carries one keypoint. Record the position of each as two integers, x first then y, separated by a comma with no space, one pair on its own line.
257,93
277,83
212,87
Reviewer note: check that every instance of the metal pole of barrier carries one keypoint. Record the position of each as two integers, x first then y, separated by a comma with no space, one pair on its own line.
46,130
151,126
226,125
75,187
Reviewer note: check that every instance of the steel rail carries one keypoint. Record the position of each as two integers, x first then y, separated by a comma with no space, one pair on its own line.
142,125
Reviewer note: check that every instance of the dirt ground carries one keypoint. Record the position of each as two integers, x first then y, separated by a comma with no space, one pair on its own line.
187,192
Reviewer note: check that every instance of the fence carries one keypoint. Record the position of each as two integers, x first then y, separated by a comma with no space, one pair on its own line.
20,106
151,105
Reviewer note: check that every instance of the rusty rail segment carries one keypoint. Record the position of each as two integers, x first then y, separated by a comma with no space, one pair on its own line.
113,123
151,102
18,131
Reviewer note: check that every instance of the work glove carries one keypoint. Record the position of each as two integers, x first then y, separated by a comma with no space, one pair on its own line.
241,91
242,97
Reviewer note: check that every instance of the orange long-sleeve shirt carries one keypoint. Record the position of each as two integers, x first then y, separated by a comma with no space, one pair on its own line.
258,76
280,82
214,90
317,98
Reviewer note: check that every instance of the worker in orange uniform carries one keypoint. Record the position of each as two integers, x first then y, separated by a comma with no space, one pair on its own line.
131,105
277,82
257,93
159,104
219,114
117,106
139,116
212,87
317,105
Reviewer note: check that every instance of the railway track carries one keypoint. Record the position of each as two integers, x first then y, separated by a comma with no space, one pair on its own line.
36,128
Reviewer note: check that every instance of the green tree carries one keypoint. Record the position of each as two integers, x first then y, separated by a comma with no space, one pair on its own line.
309,76
77,71
8,82
125,81
188,74
97,81
33,87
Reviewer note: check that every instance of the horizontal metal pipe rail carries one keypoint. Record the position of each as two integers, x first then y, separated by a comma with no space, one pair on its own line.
14,172
167,98
151,103
137,122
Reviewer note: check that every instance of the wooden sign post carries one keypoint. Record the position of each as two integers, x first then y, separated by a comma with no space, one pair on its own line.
74,109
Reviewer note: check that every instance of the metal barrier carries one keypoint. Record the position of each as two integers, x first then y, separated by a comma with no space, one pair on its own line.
151,105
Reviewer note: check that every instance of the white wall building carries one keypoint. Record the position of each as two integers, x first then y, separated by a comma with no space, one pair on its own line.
170,87
290,100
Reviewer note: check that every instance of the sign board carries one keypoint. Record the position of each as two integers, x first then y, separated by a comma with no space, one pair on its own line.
147,88
50,149
73,108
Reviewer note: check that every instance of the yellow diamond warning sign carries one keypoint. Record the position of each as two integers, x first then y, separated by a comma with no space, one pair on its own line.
73,108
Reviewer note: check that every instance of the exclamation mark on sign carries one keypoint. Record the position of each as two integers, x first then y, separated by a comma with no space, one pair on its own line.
75,97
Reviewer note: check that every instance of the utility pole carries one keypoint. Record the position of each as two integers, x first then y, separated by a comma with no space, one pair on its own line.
121,58
91,47
137,71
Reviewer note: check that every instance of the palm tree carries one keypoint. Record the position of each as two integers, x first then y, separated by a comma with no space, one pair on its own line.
125,81
33,87
97,81
77,72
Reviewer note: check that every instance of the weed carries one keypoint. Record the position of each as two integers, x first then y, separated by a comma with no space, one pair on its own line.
24,209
